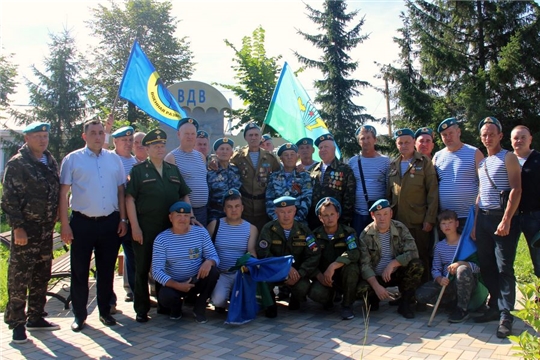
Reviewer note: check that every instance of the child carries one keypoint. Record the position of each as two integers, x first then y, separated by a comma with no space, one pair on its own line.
463,272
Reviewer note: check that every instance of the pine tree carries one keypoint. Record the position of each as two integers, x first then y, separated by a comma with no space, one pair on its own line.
336,92
58,96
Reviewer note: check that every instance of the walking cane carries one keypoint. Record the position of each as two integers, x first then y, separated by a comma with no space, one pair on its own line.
436,306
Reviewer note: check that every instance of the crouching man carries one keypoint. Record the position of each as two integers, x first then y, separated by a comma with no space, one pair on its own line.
389,257
185,262
338,268
286,236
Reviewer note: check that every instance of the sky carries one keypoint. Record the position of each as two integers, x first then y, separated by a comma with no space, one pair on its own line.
25,27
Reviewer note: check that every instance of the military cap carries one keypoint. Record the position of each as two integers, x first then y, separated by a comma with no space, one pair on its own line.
230,193
156,136
249,126
423,131
325,200
265,137
201,134
36,127
322,138
490,120
123,131
369,128
446,123
285,201
379,205
221,141
305,141
403,132
285,147
180,207
188,121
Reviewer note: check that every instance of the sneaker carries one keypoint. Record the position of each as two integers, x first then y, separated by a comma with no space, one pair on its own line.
347,313
504,329
41,324
200,318
458,315
19,334
176,313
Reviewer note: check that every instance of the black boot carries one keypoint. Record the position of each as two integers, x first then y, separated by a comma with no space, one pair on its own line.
405,308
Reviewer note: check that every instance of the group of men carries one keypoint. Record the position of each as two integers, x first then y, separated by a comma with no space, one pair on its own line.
354,229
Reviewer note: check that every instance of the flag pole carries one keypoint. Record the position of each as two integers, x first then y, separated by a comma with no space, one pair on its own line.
436,306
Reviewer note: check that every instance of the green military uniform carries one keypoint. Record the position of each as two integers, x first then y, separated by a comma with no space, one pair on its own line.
342,248
254,178
339,183
153,195
300,244
408,275
414,198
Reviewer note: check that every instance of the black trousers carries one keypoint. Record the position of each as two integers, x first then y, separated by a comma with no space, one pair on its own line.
100,237
172,298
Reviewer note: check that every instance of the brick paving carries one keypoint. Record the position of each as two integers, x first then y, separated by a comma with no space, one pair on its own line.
311,333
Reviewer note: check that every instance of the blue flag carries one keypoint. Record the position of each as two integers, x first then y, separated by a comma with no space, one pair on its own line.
466,246
291,112
142,86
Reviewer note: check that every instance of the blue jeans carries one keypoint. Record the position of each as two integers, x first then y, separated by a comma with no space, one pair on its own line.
360,222
530,226
496,255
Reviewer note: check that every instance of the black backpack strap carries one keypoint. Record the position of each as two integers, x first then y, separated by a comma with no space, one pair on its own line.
214,234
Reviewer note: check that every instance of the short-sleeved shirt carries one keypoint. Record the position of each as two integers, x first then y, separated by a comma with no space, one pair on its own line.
375,170
94,181
193,170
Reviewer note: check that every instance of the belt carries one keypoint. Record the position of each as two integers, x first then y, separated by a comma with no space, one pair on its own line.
529,212
93,218
252,197
494,212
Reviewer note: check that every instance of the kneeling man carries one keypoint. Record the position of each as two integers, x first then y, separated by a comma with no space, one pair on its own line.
185,262
389,257
338,268
286,236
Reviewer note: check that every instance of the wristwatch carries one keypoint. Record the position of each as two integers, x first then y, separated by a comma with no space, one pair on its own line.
125,221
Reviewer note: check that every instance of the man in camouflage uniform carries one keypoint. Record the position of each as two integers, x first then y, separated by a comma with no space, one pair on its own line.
30,201
289,182
413,191
285,236
331,178
389,257
255,165
338,267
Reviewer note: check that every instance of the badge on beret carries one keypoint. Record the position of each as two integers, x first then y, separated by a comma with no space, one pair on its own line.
283,203
231,192
225,140
158,137
263,244
190,121
158,132
321,138
425,129
488,120
400,132
43,128
444,126
288,146
304,142
181,210
379,207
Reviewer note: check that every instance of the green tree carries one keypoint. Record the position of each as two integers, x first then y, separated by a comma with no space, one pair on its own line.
58,96
256,74
336,92
479,57
117,27
8,72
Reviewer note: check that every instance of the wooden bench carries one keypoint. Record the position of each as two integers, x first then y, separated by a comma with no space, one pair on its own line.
61,266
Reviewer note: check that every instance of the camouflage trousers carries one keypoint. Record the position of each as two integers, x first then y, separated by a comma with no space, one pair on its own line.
406,278
29,272
345,280
460,288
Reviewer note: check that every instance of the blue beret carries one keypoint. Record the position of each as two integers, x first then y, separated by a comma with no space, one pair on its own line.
221,141
180,207
325,201
201,134
123,131
155,136
322,138
36,127
423,131
188,121
366,128
265,137
446,123
285,147
490,120
230,193
403,132
379,205
285,201
250,126
305,141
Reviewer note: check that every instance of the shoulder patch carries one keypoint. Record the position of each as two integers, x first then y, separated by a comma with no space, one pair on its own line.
263,244
351,242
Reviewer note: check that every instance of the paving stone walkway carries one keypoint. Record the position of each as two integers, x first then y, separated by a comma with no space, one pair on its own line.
308,334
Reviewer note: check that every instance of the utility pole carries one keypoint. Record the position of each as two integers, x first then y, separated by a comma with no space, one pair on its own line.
387,95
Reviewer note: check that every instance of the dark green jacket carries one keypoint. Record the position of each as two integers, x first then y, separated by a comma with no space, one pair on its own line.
342,248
